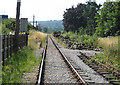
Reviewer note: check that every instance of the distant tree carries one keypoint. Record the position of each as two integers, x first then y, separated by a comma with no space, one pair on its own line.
73,18
39,27
89,13
81,16
30,27
5,31
9,23
45,29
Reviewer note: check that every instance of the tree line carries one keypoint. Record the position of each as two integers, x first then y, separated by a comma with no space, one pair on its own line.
91,18
8,25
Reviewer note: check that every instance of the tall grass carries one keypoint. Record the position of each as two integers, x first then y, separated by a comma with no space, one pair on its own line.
111,51
106,42
20,62
35,38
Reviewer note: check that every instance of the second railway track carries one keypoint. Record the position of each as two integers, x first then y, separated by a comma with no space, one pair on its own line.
56,68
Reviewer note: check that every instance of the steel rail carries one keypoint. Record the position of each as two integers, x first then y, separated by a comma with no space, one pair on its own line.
100,64
42,65
71,66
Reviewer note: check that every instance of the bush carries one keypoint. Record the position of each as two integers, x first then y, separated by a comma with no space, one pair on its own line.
7,25
66,34
86,39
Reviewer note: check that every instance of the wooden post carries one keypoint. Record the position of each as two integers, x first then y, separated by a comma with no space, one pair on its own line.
3,52
5,47
7,51
11,40
33,20
16,41
26,35
118,49
0,49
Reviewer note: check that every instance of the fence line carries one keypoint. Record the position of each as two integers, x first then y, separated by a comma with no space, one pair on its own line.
8,45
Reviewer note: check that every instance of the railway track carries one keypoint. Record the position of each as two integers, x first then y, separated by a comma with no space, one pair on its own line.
57,68
108,71
49,67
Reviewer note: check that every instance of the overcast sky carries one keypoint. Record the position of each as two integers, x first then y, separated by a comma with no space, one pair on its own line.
42,9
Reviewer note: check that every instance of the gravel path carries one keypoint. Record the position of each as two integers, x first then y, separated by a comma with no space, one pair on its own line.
56,70
90,52
77,62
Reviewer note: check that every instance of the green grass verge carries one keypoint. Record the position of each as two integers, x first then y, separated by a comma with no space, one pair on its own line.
20,62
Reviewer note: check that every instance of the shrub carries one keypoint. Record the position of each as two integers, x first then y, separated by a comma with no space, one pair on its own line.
86,39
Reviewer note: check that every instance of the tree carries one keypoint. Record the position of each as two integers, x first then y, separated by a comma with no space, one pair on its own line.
39,27
30,27
45,30
108,20
73,18
81,16
8,25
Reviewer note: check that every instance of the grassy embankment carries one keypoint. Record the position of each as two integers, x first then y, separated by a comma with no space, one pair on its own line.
23,60
35,39
110,46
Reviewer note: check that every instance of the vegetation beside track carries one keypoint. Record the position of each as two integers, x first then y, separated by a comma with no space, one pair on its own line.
35,39
111,51
110,46
101,20
87,40
20,62
24,60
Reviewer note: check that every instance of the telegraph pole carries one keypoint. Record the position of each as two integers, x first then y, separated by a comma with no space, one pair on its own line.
36,26
17,25
33,20
36,23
